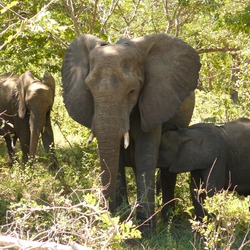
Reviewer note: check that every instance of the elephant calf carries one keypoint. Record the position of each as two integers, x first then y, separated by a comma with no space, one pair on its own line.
218,157
25,106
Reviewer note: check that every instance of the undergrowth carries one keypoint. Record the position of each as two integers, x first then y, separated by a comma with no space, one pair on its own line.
67,205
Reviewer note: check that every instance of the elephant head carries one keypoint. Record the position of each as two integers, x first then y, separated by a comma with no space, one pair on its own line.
104,84
194,148
35,100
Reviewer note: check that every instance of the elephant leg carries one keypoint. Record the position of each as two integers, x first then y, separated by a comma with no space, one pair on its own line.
48,136
146,156
145,198
23,133
121,190
197,196
48,143
168,181
207,182
10,146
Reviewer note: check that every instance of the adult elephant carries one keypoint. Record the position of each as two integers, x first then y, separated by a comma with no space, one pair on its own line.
217,157
25,106
130,89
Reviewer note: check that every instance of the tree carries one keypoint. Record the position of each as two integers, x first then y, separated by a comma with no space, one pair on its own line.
34,34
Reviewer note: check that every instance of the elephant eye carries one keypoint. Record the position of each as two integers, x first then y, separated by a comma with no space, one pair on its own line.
87,88
131,91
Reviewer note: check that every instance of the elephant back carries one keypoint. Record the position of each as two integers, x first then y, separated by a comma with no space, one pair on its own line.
7,92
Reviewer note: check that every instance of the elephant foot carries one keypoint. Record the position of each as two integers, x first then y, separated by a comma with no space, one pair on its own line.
147,229
146,219
123,211
54,167
11,162
54,170
168,215
146,226
133,243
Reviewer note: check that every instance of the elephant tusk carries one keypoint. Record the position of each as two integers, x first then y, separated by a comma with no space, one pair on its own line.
126,140
90,139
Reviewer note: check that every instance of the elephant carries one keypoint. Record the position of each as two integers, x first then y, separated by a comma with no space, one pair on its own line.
127,93
216,155
25,106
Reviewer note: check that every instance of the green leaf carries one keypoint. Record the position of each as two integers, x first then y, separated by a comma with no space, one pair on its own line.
8,6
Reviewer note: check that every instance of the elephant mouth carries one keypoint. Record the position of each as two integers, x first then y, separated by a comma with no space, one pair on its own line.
126,139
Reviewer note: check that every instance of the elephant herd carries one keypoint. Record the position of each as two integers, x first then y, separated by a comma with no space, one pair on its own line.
137,98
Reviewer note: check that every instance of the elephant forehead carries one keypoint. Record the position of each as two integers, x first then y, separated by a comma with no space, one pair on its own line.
37,86
112,53
8,84
7,89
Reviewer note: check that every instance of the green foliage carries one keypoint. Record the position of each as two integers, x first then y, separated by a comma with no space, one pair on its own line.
228,227
239,17
219,107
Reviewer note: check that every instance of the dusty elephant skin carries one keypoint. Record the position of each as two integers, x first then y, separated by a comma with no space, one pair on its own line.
133,89
217,156
25,106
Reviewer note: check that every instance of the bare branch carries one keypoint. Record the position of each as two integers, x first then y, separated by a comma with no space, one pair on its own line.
111,10
14,12
69,7
58,39
94,16
128,22
24,22
224,49
12,242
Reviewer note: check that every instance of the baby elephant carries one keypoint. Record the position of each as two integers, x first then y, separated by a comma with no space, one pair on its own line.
218,157
25,106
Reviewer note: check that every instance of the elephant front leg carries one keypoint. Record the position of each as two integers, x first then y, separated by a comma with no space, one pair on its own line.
11,142
168,181
48,143
23,133
146,155
121,190
198,194
146,200
48,136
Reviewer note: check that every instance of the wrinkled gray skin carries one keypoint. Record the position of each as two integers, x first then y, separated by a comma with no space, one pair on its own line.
26,103
133,86
217,157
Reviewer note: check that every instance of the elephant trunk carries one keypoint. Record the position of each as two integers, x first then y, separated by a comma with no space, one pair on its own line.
109,152
109,133
36,126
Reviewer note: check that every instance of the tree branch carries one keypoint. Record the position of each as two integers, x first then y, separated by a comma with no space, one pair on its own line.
94,17
15,243
24,23
14,12
209,50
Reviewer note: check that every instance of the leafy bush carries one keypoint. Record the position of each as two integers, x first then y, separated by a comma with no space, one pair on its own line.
219,108
80,217
228,226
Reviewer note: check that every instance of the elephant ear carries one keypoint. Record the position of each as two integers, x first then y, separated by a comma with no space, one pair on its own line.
75,68
199,146
171,73
22,84
49,80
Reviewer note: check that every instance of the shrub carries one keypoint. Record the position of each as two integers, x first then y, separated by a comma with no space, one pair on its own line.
80,217
229,224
